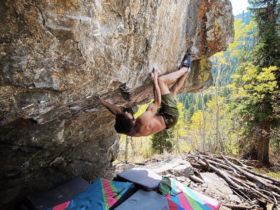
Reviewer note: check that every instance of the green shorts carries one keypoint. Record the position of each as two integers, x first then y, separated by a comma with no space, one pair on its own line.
169,110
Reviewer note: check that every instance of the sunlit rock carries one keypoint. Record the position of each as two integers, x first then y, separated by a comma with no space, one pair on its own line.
56,55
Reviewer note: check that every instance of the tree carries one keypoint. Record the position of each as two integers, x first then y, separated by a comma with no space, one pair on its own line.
179,144
204,121
186,103
161,141
275,131
126,148
257,80
190,112
254,105
199,103
222,62
266,14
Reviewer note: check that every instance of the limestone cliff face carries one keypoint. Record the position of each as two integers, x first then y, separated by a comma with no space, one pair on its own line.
56,54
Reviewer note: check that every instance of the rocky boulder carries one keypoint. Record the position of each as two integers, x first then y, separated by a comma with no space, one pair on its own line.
56,55
176,166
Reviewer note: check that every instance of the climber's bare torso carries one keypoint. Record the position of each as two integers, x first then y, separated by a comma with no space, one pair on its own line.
146,125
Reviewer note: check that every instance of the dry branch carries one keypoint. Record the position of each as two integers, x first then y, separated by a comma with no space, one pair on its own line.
274,181
247,184
253,177
225,176
239,207
196,179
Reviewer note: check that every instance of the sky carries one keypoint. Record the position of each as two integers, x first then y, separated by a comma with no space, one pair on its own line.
238,6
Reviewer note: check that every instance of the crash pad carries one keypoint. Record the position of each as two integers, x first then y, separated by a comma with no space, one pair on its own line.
102,195
148,200
142,178
58,195
190,199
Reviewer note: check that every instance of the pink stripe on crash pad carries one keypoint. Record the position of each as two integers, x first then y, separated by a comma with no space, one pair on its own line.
62,206
109,193
212,203
184,201
172,205
182,198
168,196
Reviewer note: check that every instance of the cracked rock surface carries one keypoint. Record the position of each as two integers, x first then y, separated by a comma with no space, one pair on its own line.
56,55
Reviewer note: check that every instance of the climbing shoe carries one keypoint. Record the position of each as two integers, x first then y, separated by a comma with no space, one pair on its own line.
187,62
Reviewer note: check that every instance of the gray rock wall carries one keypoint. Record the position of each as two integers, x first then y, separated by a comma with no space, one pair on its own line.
56,55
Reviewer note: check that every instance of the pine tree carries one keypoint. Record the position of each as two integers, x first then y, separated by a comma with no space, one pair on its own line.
266,13
206,98
191,98
199,104
260,75
190,112
186,103
161,141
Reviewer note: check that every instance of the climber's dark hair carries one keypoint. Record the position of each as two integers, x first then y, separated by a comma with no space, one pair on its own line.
123,124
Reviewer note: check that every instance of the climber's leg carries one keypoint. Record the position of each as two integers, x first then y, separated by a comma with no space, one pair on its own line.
180,76
178,84
165,80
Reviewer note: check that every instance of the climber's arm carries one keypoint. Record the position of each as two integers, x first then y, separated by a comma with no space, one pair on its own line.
157,94
152,108
112,108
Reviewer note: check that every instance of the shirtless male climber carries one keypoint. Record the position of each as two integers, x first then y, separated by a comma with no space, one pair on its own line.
150,121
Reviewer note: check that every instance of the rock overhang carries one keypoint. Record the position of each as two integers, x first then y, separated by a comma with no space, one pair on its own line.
56,55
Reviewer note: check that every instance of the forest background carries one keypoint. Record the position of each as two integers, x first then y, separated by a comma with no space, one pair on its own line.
239,115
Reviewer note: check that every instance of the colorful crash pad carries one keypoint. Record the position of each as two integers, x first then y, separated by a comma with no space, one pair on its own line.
102,195
212,203
57,196
142,178
148,200
190,199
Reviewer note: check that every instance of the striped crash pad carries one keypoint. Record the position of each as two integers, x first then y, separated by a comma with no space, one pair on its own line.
101,195
58,196
190,199
142,178
148,200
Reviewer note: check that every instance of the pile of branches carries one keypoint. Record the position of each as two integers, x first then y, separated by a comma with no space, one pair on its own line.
251,187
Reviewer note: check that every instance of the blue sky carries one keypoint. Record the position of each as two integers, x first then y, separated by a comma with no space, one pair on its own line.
238,6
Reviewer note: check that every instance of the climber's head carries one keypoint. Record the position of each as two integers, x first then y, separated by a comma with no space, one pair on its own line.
124,123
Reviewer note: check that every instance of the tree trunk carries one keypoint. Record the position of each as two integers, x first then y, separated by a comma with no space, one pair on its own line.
259,150
132,142
263,143
204,122
217,146
126,148
161,140
177,142
217,112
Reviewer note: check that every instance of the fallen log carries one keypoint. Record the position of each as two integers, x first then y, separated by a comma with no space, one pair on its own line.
238,206
253,177
225,176
250,186
196,179
223,166
241,193
251,163
274,181
250,190
196,165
